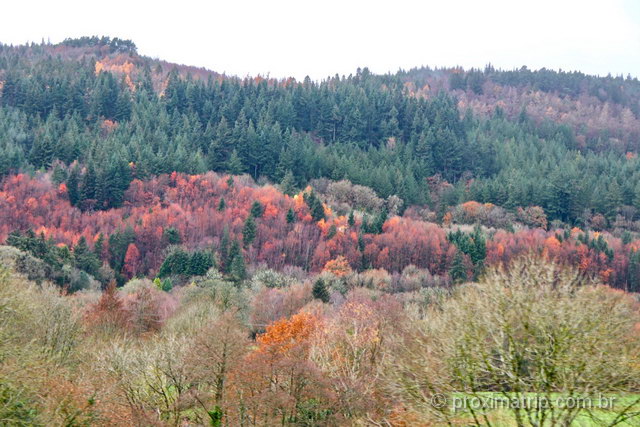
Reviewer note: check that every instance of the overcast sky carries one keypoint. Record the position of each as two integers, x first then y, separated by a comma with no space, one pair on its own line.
322,38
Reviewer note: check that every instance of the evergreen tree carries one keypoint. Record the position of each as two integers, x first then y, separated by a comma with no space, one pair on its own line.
634,271
291,216
171,236
237,269
200,263
249,231
612,200
178,262
98,247
287,185
315,206
458,272
89,183
72,186
224,252
235,164
85,259
320,291
256,209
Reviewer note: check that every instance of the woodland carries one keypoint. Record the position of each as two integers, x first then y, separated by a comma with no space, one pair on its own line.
183,247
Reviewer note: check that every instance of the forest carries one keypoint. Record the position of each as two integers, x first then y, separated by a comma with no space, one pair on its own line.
183,247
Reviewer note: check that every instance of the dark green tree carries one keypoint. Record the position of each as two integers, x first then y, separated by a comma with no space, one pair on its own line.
458,271
291,216
320,291
249,231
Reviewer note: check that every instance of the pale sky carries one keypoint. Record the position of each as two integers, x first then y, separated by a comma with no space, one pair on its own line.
321,38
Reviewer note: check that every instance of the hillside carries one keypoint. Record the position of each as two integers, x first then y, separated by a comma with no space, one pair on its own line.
181,247
563,141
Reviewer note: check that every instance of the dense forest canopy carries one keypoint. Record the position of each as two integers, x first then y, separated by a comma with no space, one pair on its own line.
103,128
566,142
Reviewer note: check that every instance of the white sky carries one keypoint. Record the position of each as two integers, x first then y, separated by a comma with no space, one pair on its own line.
322,38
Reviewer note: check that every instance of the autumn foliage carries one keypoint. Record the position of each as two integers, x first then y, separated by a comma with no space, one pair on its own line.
189,205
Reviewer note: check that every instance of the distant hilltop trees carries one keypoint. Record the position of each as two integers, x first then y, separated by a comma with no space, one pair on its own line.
115,44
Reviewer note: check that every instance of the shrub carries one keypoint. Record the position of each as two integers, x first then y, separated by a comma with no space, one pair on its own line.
531,329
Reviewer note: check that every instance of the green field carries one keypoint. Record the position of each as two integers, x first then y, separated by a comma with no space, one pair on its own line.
616,409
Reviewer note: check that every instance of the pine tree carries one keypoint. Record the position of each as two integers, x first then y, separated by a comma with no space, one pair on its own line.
320,291
256,209
352,219
315,206
636,197
237,269
458,272
85,259
612,200
634,271
171,236
216,155
379,221
59,175
287,185
98,247
235,165
224,252
249,231
200,263
222,204
89,183
72,186
291,216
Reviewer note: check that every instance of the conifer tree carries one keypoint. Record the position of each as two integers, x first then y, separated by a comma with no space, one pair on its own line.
287,185
291,216
320,291
249,231
458,272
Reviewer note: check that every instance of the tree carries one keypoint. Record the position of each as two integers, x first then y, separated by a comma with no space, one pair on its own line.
315,206
458,271
235,164
131,261
338,266
278,381
238,270
287,185
200,263
249,231
256,209
537,330
108,315
612,200
89,183
320,291
171,236
73,189
85,259
217,352
291,216
177,262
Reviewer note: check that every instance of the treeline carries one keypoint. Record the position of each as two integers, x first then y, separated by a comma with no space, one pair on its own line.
623,90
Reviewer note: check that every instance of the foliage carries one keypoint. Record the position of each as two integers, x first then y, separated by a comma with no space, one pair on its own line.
530,329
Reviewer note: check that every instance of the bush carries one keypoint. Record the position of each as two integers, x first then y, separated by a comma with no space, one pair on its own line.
270,279
533,329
